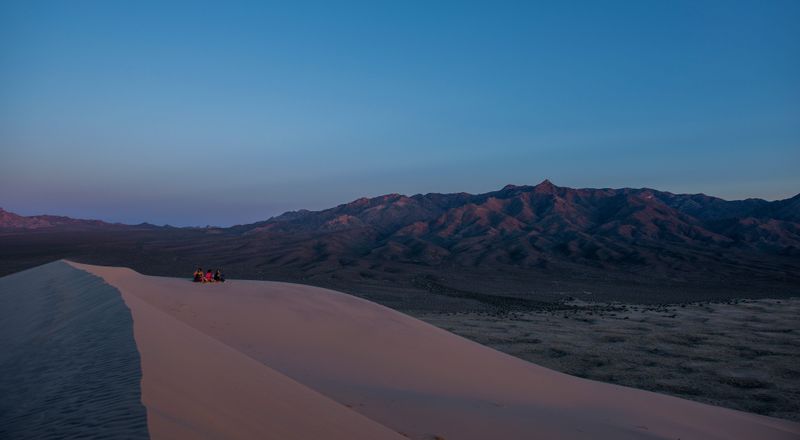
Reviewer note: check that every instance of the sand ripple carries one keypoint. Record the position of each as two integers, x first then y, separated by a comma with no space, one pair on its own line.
69,366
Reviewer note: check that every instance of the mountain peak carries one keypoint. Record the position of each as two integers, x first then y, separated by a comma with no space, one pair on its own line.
546,186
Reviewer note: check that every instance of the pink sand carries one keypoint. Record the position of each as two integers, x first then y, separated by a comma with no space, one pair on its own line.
257,359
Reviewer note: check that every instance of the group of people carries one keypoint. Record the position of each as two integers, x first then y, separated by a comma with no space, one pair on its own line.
208,277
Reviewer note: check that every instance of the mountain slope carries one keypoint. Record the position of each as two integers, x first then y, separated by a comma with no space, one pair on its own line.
528,226
519,244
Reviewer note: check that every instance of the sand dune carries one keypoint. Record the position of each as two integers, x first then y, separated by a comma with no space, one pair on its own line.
249,359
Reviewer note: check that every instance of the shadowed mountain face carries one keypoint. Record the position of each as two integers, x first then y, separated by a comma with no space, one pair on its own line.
540,241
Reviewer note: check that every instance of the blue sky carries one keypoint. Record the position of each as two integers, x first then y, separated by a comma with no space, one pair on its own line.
194,113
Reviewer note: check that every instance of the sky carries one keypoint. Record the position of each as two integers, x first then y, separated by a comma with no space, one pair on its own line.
229,112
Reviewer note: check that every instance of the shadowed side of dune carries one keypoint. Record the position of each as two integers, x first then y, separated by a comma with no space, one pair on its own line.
69,365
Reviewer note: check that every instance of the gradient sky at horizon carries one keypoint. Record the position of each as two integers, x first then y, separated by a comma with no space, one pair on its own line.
195,113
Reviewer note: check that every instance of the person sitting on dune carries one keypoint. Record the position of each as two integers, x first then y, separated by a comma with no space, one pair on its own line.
198,275
219,277
209,277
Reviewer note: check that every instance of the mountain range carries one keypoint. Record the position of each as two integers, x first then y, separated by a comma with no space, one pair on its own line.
519,242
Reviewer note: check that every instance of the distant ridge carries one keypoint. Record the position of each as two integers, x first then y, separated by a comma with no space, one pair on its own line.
510,239
533,225
9,220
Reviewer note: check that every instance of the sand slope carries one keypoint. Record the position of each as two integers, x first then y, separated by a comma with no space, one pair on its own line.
194,386
69,364
249,359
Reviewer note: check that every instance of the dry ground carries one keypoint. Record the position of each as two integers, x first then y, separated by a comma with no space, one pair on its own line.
741,354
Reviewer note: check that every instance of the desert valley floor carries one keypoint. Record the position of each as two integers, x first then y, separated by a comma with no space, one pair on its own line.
742,354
